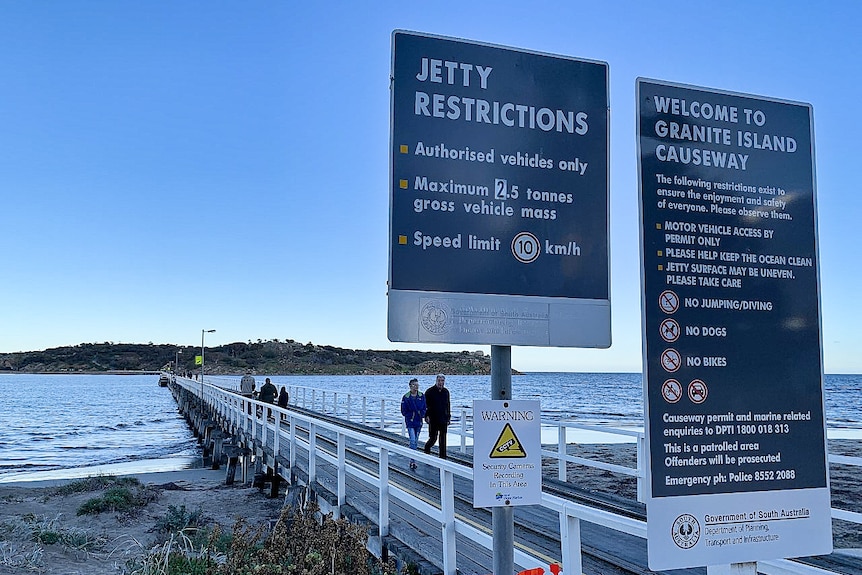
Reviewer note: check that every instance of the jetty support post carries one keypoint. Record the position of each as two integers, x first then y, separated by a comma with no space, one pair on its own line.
217,438
502,518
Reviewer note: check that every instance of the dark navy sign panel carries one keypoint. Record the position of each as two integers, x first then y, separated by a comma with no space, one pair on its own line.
736,247
732,345
489,143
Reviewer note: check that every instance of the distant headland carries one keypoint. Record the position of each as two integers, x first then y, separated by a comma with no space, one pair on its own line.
283,357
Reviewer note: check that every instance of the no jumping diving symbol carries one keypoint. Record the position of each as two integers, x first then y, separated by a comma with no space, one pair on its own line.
668,301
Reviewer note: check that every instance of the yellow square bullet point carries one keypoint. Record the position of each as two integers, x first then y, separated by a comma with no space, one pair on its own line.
660,267
658,226
403,149
402,240
403,184
659,253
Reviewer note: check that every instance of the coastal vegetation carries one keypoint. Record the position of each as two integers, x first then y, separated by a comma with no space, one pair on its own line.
300,541
286,357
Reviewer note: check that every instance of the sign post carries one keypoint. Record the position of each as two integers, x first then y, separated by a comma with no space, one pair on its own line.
732,347
502,518
498,230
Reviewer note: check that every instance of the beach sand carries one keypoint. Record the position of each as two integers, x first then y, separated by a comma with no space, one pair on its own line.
124,536
127,536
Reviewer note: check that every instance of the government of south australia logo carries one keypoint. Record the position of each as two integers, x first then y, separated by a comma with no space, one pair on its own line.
434,317
685,531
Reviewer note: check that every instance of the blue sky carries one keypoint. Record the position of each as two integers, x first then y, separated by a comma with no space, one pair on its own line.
167,167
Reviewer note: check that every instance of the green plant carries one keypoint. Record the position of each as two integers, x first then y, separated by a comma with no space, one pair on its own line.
95,483
25,535
120,498
20,556
178,519
304,543
301,543
176,556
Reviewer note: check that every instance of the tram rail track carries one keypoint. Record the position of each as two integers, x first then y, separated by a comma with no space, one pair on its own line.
595,559
480,518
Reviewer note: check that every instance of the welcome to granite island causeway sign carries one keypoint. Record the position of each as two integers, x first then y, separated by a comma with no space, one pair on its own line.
732,345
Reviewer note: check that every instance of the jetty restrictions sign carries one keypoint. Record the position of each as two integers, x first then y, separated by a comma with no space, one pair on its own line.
498,196
507,453
732,346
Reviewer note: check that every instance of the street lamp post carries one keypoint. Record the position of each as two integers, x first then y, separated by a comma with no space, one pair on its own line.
177,361
203,332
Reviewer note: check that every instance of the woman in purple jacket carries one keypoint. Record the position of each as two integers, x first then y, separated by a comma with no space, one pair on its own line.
413,408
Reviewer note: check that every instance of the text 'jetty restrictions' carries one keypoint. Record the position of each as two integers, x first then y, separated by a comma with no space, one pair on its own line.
507,458
729,265
498,195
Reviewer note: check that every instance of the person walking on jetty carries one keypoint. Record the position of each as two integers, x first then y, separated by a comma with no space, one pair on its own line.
283,397
438,415
413,408
246,384
246,387
268,393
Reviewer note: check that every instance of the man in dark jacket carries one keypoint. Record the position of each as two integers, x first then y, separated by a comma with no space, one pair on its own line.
268,393
439,414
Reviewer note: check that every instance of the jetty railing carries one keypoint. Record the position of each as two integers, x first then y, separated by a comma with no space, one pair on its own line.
385,414
244,413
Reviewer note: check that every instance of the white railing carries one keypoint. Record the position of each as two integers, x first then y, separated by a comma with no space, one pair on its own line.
235,409
383,413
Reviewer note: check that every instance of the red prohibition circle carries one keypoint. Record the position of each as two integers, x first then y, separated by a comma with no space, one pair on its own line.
697,391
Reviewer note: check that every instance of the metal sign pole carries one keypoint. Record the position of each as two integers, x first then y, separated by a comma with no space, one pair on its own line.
502,518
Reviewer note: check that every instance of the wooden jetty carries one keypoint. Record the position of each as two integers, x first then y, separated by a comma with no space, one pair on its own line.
424,517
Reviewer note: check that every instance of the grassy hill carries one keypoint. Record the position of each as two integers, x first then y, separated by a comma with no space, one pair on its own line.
276,357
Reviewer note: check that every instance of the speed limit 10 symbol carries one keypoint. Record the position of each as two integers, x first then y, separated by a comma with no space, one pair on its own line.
525,247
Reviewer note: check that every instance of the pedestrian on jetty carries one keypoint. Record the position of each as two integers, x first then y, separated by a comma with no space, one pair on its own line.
283,397
413,408
246,387
268,393
246,384
438,415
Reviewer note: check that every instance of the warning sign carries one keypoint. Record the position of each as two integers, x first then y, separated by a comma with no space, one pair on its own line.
508,445
507,461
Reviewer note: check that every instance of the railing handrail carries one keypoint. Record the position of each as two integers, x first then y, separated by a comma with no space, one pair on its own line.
464,432
568,511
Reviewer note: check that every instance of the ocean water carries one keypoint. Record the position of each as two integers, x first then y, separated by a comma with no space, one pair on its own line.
64,426
66,423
